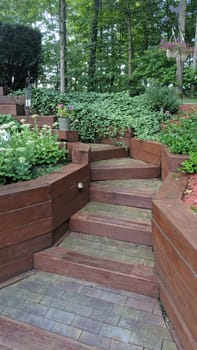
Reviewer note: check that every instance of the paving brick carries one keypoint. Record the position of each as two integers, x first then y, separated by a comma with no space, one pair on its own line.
30,285
116,333
60,316
157,308
53,302
15,314
124,346
126,312
103,295
38,321
168,345
82,310
105,316
133,295
12,300
35,308
24,294
91,313
66,330
140,304
95,340
148,337
87,324
152,318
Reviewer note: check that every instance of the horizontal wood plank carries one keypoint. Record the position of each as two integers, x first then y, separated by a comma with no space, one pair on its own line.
136,278
19,336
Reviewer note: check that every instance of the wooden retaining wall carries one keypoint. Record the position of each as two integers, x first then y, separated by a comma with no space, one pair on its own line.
34,214
174,227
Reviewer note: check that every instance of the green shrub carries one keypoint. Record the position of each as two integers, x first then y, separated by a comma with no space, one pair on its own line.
6,118
180,136
162,98
190,165
22,151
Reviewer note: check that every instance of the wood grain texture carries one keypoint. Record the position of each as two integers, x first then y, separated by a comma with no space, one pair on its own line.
109,194
147,151
170,162
111,228
135,278
185,336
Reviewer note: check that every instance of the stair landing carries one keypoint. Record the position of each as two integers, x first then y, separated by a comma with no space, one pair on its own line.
49,311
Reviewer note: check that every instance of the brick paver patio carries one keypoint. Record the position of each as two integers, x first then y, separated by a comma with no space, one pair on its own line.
87,312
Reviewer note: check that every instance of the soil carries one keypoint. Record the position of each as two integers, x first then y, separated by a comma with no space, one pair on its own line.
190,193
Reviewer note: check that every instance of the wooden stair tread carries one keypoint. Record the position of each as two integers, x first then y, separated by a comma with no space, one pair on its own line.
119,214
124,162
132,277
108,248
114,221
129,192
123,168
15,335
106,219
145,186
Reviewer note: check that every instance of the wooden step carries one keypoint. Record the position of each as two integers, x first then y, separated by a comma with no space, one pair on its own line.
135,278
123,168
132,192
14,109
102,151
107,248
114,221
15,335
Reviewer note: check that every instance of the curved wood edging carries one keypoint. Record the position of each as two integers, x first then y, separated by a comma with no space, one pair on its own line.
34,214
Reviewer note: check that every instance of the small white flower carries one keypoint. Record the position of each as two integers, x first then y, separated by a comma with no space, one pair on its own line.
21,160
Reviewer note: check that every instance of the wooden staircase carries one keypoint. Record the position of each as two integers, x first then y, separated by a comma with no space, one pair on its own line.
110,240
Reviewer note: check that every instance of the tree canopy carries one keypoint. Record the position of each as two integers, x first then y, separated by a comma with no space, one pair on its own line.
107,41
20,53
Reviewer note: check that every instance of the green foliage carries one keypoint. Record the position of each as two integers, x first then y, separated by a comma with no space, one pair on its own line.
112,43
180,135
22,151
151,66
162,98
7,118
20,52
190,81
190,165
97,116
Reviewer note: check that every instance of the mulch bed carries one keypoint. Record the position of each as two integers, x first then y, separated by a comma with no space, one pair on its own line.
190,193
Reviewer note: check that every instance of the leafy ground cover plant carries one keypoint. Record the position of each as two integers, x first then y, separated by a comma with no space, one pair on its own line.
180,136
26,153
98,116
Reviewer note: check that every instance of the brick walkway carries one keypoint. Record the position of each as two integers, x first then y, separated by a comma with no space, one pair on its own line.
87,312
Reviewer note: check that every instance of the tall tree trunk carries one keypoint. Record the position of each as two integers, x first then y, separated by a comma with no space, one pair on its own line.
195,50
62,33
130,42
194,59
179,61
92,58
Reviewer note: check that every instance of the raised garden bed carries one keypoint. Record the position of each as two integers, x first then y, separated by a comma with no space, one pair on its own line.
34,214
